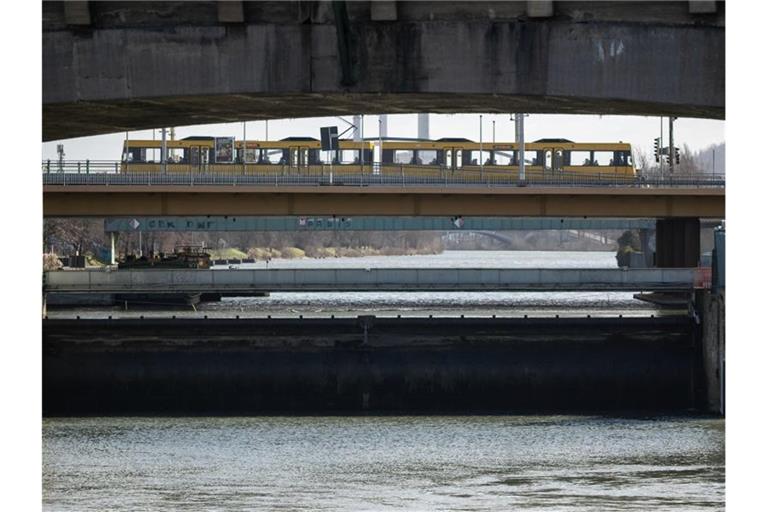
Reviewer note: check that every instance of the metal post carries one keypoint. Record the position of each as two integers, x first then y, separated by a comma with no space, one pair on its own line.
141,246
266,129
362,144
245,145
112,241
520,136
481,146
671,151
163,151
381,145
493,154
661,148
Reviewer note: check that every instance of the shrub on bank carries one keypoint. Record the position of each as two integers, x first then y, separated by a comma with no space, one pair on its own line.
292,253
51,262
229,253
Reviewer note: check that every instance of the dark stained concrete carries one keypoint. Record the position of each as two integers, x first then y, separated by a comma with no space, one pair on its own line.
368,365
142,65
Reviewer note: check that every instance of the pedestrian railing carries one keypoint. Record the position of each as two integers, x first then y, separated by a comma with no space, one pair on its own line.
100,172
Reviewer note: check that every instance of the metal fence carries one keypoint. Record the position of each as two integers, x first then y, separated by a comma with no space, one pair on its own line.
111,173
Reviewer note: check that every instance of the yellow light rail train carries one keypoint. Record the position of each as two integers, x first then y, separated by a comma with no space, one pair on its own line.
298,155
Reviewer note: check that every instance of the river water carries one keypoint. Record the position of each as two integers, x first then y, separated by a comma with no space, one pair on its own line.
384,463
416,303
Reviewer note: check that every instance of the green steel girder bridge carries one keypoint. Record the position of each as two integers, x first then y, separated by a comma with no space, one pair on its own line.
364,223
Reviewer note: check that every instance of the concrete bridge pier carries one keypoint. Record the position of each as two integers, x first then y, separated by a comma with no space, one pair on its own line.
677,242
646,247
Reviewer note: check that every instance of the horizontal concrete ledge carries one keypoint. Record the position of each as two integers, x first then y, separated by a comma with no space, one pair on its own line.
388,279
383,201
611,191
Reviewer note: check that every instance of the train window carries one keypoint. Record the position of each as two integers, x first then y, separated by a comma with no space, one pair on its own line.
427,156
174,155
548,159
481,156
459,158
272,156
603,158
505,157
448,158
532,158
581,158
622,158
403,157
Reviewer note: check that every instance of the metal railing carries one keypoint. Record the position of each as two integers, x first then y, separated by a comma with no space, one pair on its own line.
101,172
347,279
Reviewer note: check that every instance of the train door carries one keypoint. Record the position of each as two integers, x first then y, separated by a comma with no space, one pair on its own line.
377,157
458,159
299,157
205,158
198,158
558,160
194,158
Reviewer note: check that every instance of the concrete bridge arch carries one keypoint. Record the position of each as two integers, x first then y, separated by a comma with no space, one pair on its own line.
115,66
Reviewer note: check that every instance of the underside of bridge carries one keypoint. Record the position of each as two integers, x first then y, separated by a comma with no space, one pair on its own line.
115,66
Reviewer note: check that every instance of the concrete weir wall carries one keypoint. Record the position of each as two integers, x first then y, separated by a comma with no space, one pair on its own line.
368,365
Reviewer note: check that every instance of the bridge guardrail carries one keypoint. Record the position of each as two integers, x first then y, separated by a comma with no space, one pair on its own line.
109,173
394,279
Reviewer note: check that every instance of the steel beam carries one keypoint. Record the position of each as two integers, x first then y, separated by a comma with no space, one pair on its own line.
335,223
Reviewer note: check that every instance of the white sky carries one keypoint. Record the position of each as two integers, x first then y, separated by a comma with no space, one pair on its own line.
638,131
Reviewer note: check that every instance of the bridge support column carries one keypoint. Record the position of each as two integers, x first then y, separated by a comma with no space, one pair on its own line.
677,242
645,246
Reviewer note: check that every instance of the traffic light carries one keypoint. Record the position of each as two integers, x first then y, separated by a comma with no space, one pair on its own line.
677,155
656,144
